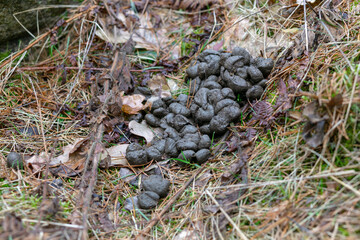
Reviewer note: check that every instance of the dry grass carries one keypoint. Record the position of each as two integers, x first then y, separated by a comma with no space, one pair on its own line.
287,189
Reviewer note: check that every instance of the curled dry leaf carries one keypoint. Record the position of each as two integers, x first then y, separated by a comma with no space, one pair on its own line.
36,162
72,159
142,130
312,112
132,104
314,129
117,155
313,133
72,152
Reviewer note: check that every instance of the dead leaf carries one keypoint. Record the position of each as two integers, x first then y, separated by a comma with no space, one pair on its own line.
64,171
203,179
314,130
295,115
283,101
117,155
36,162
159,86
236,167
233,144
335,101
263,112
244,34
173,85
143,33
327,25
72,152
313,133
70,163
142,130
132,104
12,227
120,71
217,46
311,112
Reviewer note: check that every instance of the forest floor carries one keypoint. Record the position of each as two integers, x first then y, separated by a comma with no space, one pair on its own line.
288,169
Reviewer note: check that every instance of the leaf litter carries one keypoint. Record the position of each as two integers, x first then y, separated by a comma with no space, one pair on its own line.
118,71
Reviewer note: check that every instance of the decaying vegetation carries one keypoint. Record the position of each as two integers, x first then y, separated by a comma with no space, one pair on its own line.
288,169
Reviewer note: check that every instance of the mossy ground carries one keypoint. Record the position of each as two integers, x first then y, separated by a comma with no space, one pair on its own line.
293,191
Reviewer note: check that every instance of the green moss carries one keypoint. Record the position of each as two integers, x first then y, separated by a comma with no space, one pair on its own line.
4,55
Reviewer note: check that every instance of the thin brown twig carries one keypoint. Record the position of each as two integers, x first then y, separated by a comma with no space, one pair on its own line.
90,188
47,68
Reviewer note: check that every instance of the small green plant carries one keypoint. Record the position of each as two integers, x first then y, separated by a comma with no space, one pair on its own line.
185,161
4,55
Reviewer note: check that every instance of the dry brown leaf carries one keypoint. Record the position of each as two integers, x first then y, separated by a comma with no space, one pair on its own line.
73,157
132,104
313,133
335,101
144,35
36,162
203,179
245,34
314,130
120,70
117,154
142,130
159,86
311,112
70,153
